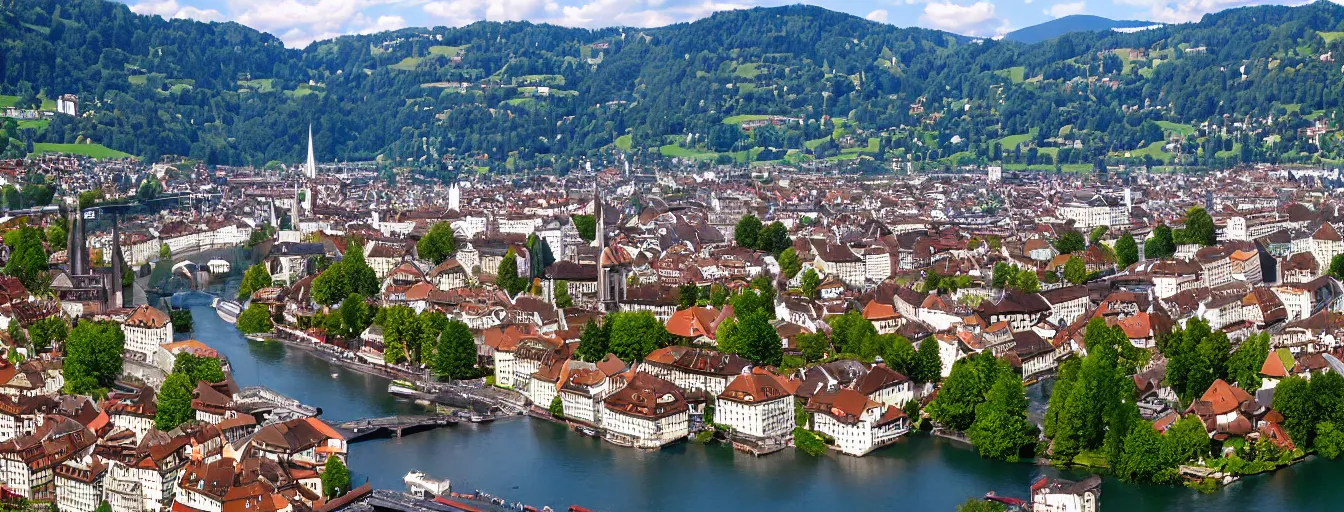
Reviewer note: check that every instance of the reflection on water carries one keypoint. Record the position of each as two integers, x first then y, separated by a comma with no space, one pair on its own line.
541,463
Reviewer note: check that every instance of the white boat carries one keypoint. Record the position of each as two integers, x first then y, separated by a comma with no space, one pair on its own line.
402,388
228,310
423,487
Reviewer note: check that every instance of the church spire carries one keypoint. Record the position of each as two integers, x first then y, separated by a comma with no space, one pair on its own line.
310,170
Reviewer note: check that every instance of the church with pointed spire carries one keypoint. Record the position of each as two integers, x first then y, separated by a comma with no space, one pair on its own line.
310,168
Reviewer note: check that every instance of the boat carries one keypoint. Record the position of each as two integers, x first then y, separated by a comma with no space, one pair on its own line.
228,310
334,375
587,431
481,418
402,388
423,487
576,508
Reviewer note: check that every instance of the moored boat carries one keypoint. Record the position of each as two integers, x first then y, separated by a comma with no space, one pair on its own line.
402,388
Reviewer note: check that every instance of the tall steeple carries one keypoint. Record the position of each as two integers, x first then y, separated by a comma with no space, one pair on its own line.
115,297
311,169
603,289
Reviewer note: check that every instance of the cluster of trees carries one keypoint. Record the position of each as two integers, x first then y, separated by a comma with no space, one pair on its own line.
335,478
1092,406
48,332
93,357
438,244
772,238
174,400
507,276
853,336
181,320
27,258
350,275
409,336
1197,356
255,278
1012,277
255,319
1313,412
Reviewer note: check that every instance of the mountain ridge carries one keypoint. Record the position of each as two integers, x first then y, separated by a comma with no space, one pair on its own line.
1071,23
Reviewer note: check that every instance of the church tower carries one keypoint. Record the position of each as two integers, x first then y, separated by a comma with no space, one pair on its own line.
310,169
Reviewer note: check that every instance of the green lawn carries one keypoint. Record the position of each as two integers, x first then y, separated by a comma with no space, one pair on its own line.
873,145
1012,141
8,101
447,51
406,64
748,71
34,124
1014,73
92,150
547,80
259,85
523,102
675,151
812,144
1330,37
1232,153
742,118
1154,150
1183,130
137,79
623,142
1072,168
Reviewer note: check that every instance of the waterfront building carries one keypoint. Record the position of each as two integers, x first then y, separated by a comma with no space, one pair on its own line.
695,369
306,441
885,386
145,329
858,424
583,392
1060,495
756,404
648,412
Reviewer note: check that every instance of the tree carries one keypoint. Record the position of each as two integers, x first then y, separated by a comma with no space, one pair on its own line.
1329,440
1337,266
438,244
508,277
1075,271
198,368
964,389
93,357
1000,429
977,504
27,258
557,408
1243,368
1161,245
634,334
1026,282
789,264
1096,234
1126,251
773,238
103,507
928,362
363,280
810,282
592,343
747,232
401,334
1059,396
255,319
329,287
174,402
1187,440
255,278
354,315
48,331
586,226
814,346
335,478
688,295
1145,458
56,236
849,331
751,336
182,321
456,354
1199,228
562,298
1069,242
718,295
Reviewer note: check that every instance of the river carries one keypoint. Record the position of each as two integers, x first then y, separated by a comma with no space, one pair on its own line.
541,463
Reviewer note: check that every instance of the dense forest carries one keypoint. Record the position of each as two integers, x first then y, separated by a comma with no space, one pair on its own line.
1239,86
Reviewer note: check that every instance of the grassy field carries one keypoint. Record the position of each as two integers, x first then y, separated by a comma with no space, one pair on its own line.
259,85
1014,73
1154,150
748,71
8,101
623,142
873,145
1073,168
137,79
1183,130
447,51
675,151
1012,141
1331,37
92,150
520,102
1123,53
406,64
812,144
34,124
742,118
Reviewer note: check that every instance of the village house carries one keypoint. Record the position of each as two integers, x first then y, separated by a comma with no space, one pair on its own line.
648,412
695,369
756,404
145,329
858,424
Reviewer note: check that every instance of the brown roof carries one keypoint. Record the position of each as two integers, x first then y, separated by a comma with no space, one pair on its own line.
148,317
754,387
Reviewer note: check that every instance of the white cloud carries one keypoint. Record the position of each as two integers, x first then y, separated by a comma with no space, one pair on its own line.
879,16
979,19
593,13
384,24
1181,11
1061,10
169,9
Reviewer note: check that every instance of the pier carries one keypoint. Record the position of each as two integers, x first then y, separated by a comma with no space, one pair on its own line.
392,426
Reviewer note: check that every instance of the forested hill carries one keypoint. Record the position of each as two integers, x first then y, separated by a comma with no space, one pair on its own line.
520,95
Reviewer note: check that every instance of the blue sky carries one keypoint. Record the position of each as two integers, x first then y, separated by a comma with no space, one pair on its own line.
299,22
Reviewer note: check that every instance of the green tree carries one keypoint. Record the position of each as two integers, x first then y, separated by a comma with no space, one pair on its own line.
103,507
1094,237
329,287
255,278
1145,458
438,244
1026,282
198,368
1126,251
354,315
980,505
49,331
849,331
174,402
789,264
751,336
1161,245
747,232
718,295
363,280
1000,429
773,238
255,319
562,298
56,236
1075,271
27,258
810,282
963,390
1187,440
592,343
181,320
634,334
401,334
928,362
1059,396
335,478
688,295
508,277
1069,242
456,354
1199,228
557,408
1329,440
586,225
1243,368
93,357
1337,266
814,346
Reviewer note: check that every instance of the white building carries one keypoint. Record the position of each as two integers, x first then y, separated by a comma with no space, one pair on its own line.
858,425
79,483
649,412
145,330
757,405
1061,495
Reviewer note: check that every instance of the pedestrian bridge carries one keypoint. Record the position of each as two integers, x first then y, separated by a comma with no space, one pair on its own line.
391,426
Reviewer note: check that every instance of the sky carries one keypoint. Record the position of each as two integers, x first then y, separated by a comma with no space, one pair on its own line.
299,22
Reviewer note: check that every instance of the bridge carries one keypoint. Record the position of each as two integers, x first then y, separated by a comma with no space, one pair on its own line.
392,426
